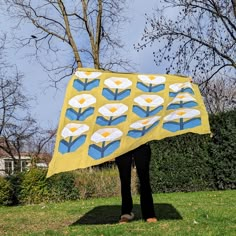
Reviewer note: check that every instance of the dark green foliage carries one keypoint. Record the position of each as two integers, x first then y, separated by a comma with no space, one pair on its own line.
6,191
222,150
62,187
194,162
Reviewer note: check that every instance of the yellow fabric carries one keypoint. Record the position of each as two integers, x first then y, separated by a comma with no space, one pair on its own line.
107,114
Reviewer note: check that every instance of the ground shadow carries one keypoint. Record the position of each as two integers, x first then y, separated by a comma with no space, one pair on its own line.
110,214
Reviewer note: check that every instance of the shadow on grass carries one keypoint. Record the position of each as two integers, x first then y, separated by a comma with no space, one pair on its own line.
110,214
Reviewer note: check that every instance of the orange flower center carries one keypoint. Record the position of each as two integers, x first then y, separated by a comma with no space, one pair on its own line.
148,100
81,101
144,122
118,82
72,129
181,96
152,77
113,109
180,113
87,73
105,134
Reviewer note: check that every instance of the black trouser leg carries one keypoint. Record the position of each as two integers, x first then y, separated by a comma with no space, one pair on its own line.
124,163
142,156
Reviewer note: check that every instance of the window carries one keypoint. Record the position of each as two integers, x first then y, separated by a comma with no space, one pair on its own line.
8,167
24,164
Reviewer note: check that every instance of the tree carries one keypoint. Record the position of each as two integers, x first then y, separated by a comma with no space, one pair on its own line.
16,126
194,37
220,94
72,34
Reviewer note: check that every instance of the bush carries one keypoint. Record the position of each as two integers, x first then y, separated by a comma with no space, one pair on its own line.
62,187
222,150
6,192
34,187
194,162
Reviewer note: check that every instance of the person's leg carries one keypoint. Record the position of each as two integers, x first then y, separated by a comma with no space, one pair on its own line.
124,163
142,157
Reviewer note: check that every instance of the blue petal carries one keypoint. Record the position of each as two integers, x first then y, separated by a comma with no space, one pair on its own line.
125,93
184,90
135,133
118,120
192,123
155,111
77,143
86,113
152,126
111,147
63,146
139,111
71,114
101,121
78,85
171,126
108,94
183,105
142,87
93,84
95,151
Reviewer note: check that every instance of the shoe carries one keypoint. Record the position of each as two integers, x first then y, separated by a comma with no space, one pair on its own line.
151,220
126,218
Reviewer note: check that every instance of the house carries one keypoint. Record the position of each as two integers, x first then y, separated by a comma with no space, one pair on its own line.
7,166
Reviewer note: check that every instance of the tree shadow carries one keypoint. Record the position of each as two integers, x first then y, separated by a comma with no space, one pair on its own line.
110,214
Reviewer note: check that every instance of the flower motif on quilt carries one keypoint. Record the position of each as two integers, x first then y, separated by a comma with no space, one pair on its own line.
182,100
141,127
81,107
107,141
73,137
114,112
117,88
182,119
180,88
148,105
151,83
86,81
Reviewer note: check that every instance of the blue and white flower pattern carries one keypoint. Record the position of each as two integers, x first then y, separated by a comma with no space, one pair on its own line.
118,88
148,105
73,137
106,141
81,107
151,83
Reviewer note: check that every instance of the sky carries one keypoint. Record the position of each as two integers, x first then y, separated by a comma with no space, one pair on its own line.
47,102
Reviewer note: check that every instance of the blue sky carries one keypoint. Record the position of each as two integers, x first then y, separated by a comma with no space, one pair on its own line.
48,101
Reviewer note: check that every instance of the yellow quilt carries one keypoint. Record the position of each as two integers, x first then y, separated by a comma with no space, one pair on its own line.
106,114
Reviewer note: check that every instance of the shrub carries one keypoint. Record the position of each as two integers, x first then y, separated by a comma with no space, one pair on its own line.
62,187
6,192
34,188
222,150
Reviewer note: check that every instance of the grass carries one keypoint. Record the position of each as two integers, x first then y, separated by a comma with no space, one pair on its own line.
199,213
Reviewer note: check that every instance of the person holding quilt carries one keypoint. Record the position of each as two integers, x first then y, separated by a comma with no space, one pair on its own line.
141,157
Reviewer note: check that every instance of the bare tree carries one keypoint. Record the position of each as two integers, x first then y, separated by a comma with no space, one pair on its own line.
16,126
72,34
194,37
40,146
220,94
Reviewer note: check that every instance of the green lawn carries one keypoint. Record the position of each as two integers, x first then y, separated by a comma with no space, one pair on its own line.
199,213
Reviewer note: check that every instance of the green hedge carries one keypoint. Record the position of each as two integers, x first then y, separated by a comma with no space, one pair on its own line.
6,192
194,162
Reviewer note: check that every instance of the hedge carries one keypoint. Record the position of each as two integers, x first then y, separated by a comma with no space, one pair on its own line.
194,162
